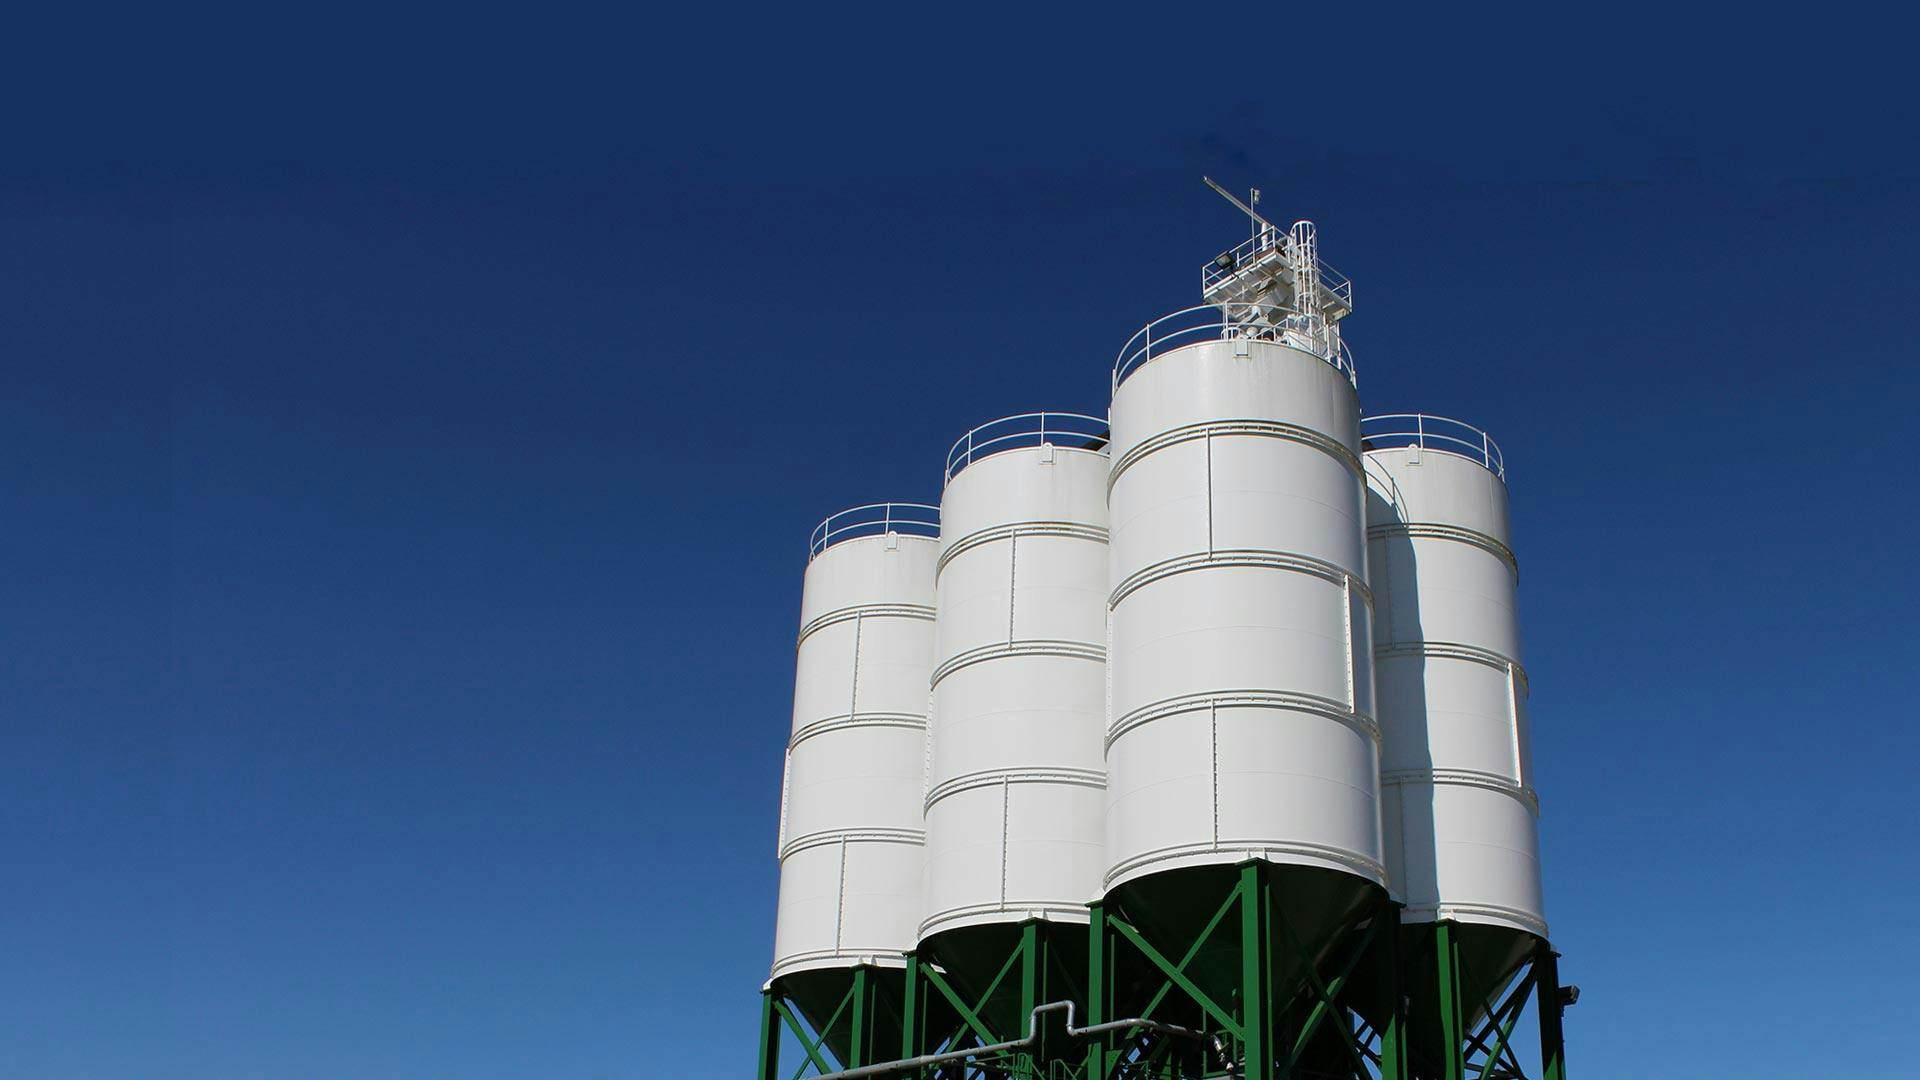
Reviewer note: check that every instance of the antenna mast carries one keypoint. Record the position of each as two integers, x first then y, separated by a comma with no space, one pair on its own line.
1253,195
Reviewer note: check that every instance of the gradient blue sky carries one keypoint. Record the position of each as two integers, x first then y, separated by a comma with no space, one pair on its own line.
412,424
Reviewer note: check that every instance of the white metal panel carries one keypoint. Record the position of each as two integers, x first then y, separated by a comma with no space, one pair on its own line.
1468,704
1172,524
1015,711
1275,494
1461,593
1464,853
1202,383
851,854
1461,814
1008,848
1223,628
1016,776
857,576
1242,676
808,922
864,775
846,901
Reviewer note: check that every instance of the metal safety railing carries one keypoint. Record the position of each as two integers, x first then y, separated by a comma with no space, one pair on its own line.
1027,430
1440,433
1215,322
1233,260
874,519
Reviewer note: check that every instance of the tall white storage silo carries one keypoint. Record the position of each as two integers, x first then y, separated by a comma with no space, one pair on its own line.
1460,810
1243,820
1460,814
851,827
1016,775
1242,717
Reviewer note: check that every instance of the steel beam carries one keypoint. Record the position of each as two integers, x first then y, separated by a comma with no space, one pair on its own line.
1553,1051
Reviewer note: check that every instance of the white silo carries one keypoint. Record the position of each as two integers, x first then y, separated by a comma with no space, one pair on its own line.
1015,771
1457,792
1461,817
851,827
1242,713
1243,815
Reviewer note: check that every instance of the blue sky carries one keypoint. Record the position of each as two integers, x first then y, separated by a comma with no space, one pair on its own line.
412,427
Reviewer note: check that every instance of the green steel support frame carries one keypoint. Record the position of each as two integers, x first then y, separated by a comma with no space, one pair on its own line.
1288,1001
852,1025
1286,1008
943,1016
1475,1031
1553,1047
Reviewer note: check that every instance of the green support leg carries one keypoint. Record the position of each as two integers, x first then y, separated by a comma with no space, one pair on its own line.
910,1020
862,999
769,1038
1029,971
1030,938
1553,1050
1254,958
811,1046
1452,1025
1097,995
1393,1032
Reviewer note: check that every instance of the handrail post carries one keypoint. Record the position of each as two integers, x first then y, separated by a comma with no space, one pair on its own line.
1486,450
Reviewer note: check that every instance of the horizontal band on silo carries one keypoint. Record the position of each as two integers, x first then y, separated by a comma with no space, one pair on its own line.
1420,530
844,721
1473,913
1246,850
1267,429
1505,785
1072,530
1453,650
864,956
866,611
1028,909
1081,650
1259,699
1091,778
916,837
1242,557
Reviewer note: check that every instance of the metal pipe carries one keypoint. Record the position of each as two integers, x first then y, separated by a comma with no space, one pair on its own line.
885,1068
